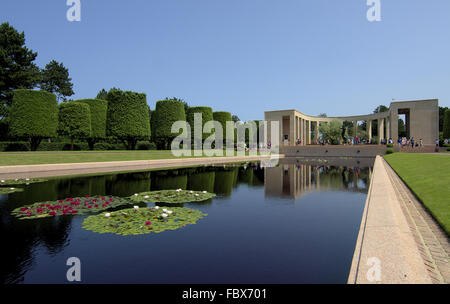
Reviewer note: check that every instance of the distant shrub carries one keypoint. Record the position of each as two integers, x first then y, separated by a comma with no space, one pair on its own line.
446,126
390,145
143,145
389,151
14,146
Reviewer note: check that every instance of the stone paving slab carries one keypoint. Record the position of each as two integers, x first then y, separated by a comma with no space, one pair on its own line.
53,170
386,245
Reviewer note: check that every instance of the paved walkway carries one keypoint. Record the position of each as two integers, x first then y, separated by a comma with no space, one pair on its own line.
52,170
432,242
386,251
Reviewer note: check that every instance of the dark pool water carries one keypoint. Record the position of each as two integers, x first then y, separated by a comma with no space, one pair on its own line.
295,223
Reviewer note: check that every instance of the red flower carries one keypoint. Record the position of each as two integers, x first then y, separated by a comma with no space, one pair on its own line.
52,213
96,206
74,212
89,206
39,210
148,223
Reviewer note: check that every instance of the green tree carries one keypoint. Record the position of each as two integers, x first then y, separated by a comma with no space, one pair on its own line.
17,70
102,94
56,80
332,131
235,118
222,118
98,109
446,125
441,117
127,117
207,115
74,121
166,113
34,116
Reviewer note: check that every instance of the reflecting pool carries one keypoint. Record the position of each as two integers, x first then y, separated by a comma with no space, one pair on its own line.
294,223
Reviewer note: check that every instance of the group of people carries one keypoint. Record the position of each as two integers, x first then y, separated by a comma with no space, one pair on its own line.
409,142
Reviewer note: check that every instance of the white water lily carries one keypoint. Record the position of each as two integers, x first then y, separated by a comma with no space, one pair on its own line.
146,197
27,179
169,212
191,192
196,195
11,189
204,192
164,215
135,194
136,207
16,179
156,207
179,190
164,210
2,181
107,214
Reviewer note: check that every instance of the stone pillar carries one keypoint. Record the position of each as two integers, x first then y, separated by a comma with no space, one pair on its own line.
388,128
305,131
291,129
317,130
309,132
380,130
394,125
355,126
369,129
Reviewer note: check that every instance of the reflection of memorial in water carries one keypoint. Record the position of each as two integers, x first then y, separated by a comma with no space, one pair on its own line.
292,180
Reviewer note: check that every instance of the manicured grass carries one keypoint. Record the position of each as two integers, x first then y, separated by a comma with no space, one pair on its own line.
428,176
34,158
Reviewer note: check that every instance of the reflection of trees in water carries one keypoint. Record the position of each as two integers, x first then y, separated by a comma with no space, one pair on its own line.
201,181
127,184
54,232
81,186
343,177
167,180
225,180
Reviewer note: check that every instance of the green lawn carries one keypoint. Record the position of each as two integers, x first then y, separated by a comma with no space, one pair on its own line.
428,176
34,158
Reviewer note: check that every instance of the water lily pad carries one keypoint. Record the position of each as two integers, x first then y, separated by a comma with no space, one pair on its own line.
9,190
172,196
142,221
69,206
21,181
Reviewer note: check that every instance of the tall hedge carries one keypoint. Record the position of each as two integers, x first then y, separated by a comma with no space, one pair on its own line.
127,117
34,116
98,108
207,115
166,113
75,120
446,126
223,117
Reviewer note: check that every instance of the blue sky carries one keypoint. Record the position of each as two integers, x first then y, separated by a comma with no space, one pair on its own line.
247,56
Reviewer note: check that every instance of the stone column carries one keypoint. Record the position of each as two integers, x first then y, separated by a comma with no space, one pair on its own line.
394,125
309,132
388,128
380,130
304,132
355,126
369,129
317,130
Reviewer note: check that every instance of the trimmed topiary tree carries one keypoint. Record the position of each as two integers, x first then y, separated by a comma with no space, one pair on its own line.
207,115
223,117
34,115
127,117
166,113
98,108
446,126
74,121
